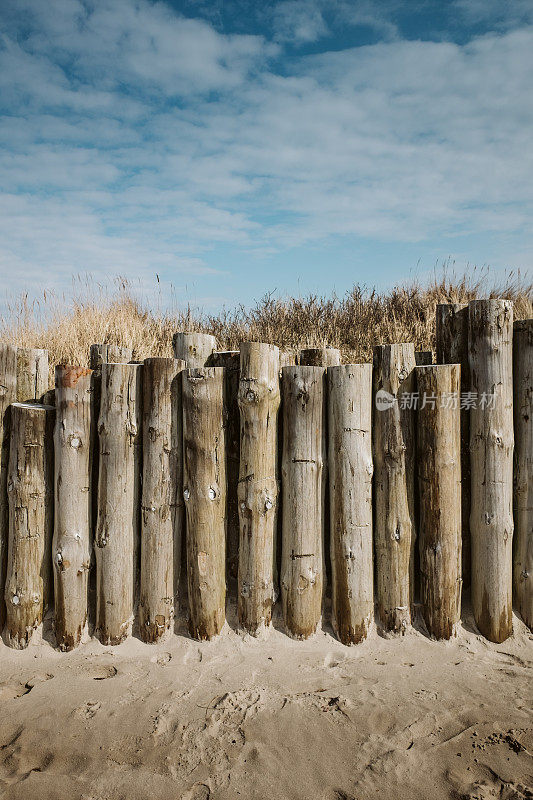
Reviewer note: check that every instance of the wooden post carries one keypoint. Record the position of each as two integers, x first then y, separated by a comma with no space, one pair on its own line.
194,348
491,464
162,496
32,374
230,360
523,470
72,545
8,395
320,357
439,477
393,441
259,401
350,488
31,513
423,357
108,354
118,525
302,569
204,490
452,348
287,358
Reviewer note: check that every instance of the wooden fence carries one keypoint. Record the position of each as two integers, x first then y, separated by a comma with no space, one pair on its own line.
267,474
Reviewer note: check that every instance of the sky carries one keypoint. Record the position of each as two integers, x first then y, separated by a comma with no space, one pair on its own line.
237,148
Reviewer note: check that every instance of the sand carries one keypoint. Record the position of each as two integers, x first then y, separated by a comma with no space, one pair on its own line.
401,718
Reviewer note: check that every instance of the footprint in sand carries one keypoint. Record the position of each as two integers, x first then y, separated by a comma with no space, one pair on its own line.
88,710
199,791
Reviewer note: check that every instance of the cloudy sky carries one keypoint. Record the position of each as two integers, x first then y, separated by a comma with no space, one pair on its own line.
236,147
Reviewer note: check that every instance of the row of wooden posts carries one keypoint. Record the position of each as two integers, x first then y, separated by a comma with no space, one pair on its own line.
129,460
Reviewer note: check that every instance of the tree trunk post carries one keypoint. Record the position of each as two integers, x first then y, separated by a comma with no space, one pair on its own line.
302,569
230,360
491,464
452,348
259,401
31,519
350,488
393,441
119,485
194,348
204,490
162,496
523,470
320,357
32,374
439,477
423,358
72,545
8,395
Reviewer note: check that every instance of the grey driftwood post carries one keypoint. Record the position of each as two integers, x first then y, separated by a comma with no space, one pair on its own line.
304,446
452,348
259,401
523,470
72,543
204,490
162,496
439,476
8,395
393,441
32,373
31,514
491,463
230,360
319,357
350,487
119,484
194,348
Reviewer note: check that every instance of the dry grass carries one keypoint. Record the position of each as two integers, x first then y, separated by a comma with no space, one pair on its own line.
353,323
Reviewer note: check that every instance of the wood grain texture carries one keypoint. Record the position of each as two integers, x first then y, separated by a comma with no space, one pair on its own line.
194,348
32,374
423,357
29,585
319,357
439,477
491,463
204,490
350,487
303,482
8,395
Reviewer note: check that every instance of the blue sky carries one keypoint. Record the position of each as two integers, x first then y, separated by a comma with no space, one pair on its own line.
235,148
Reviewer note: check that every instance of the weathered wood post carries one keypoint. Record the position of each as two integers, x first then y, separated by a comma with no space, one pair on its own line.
194,348
230,360
72,543
320,357
523,470
350,490
204,490
31,515
8,395
491,464
32,374
423,357
259,401
304,455
393,442
439,477
162,496
118,525
108,354
452,348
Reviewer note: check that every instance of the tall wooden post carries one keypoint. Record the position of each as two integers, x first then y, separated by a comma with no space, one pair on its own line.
350,489
259,401
194,348
320,357
204,490
72,543
230,360
393,442
491,463
304,456
439,476
162,495
31,515
32,374
118,525
452,348
8,395
523,470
